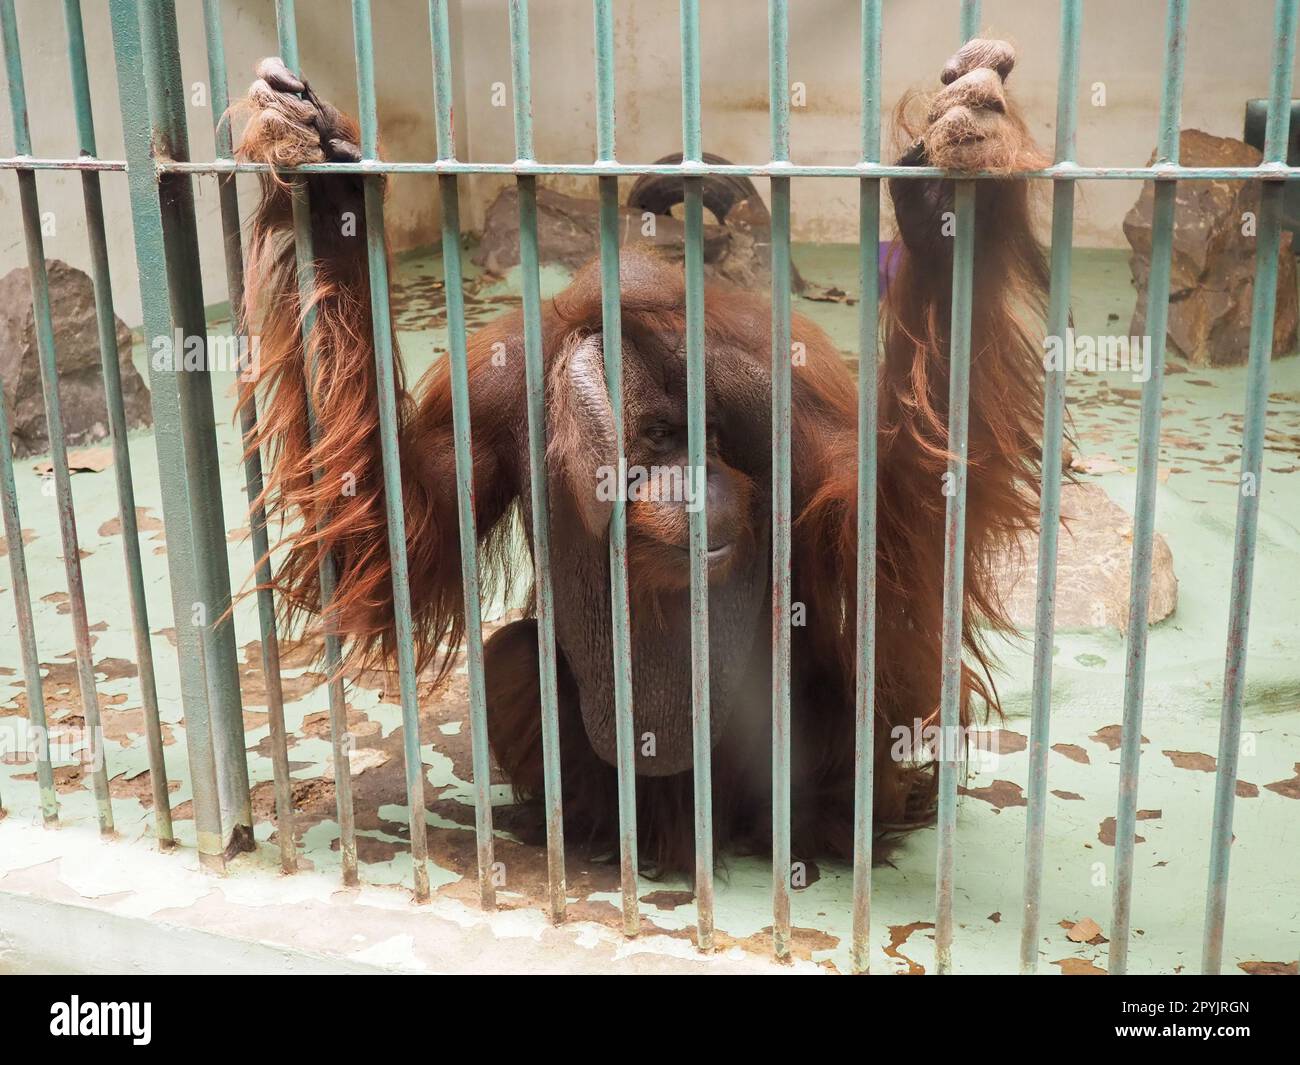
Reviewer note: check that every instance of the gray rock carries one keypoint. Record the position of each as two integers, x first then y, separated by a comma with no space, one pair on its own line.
1094,553
76,346
1212,278
568,233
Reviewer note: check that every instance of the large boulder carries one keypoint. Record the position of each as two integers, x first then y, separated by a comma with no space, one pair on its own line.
76,347
1212,278
1094,553
568,233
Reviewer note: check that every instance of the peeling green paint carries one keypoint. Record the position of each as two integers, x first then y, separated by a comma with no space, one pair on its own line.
1185,661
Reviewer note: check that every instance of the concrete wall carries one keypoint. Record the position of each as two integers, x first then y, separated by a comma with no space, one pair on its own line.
1122,50
1227,62
404,85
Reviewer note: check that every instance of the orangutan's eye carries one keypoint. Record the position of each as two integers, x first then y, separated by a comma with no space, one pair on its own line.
661,436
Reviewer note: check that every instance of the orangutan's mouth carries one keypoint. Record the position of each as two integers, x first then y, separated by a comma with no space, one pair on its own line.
714,554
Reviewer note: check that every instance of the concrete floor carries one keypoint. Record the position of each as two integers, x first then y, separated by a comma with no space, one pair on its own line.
1195,513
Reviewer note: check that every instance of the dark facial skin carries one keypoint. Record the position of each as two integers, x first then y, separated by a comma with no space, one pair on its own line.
664,489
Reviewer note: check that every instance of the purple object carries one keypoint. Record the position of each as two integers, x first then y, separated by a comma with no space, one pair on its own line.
891,252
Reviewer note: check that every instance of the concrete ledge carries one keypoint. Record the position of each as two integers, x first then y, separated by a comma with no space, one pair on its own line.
73,903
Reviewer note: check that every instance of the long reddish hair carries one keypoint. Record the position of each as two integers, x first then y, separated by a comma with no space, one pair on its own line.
329,498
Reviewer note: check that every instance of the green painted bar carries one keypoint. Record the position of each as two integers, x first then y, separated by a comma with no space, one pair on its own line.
1268,238
1171,98
604,33
209,610
340,739
305,264
539,498
521,73
612,348
444,117
22,596
1278,129
270,644
779,112
31,213
167,396
453,285
765,170
697,457
868,345
106,319
22,162
949,755
690,35
1144,511
286,32
157,65
1049,521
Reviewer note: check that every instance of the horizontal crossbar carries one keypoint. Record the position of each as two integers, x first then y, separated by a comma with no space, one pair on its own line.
1158,172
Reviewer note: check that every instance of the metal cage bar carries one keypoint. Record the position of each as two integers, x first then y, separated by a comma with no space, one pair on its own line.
535,373
49,371
1158,170
1144,510
950,753
210,611
697,458
612,354
782,358
106,321
234,258
157,167
1049,519
33,686
305,265
954,569
1264,300
864,749
454,289
32,683
169,396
